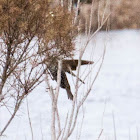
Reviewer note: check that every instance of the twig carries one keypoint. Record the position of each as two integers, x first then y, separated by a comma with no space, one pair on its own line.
115,136
30,123
81,125
66,121
59,125
100,134
12,116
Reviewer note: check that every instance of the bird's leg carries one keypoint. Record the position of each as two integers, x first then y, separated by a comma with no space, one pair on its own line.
70,71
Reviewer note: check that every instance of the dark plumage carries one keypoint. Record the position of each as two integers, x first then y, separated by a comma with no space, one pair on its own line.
67,66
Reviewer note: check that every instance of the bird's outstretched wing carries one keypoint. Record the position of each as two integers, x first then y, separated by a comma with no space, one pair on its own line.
69,65
74,63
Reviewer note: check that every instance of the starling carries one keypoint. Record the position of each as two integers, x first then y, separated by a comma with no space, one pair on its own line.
67,66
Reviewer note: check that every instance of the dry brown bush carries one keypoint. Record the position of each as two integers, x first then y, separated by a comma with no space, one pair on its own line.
32,33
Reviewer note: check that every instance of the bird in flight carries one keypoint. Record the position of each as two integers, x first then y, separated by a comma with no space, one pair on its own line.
67,66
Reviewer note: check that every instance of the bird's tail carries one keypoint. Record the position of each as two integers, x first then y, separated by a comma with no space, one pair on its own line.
69,94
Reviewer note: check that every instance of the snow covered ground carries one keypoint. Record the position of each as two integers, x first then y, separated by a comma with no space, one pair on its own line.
116,92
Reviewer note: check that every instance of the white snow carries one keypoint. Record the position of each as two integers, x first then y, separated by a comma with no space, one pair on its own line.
116,91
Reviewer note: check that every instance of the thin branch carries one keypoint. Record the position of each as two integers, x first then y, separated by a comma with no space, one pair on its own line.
100,134
59,125
66,122
115,136
13,115
30,123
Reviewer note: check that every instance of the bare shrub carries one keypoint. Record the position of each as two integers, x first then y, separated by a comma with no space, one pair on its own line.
28,30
